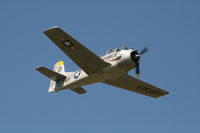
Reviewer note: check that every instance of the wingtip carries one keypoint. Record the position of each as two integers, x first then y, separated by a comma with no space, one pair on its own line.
163,95
39,67
54,27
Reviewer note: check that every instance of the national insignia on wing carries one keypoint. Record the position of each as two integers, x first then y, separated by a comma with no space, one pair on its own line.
67,43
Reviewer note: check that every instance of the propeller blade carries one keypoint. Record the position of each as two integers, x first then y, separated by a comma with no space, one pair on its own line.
144,50
137,70
124,46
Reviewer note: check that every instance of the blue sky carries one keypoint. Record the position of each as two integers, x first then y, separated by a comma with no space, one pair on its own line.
170,29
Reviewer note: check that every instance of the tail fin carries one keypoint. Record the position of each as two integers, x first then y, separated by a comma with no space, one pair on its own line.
60,68
57,76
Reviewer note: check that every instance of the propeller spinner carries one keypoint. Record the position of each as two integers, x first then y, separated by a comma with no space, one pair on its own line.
135,56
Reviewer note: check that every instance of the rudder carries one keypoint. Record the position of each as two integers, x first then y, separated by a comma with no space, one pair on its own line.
59,67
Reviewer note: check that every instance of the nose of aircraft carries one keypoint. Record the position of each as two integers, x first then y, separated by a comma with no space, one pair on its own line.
135,57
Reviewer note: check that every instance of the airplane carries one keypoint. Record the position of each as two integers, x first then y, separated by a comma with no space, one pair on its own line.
111,69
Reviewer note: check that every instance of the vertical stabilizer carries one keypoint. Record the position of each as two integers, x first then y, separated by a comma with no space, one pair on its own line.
59,68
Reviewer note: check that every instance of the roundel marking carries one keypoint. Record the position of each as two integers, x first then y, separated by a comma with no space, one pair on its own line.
59,69
77,74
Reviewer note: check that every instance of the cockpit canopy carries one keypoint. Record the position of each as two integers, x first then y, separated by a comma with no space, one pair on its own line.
112,50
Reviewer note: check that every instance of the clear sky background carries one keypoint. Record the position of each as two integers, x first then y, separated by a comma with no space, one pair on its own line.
171,30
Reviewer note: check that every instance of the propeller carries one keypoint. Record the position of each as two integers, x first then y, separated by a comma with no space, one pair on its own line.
135,56
124,46
145,49
137,70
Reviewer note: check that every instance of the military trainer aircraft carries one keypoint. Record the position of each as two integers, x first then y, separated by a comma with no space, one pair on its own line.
111,69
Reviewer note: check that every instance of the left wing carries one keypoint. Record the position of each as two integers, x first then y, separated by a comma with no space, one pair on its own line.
83,57
130,83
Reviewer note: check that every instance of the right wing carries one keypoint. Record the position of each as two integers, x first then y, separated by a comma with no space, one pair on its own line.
83,57
132,84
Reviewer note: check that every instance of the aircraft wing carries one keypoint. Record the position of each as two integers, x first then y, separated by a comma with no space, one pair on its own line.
83,57
132,84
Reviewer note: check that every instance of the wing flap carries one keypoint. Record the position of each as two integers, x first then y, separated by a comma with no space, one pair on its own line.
51,74
132,84
82,56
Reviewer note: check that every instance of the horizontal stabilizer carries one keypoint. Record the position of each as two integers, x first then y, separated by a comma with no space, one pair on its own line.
79,90
51,74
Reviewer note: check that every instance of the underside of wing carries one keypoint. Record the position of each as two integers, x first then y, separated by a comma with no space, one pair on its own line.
82,56
132,84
